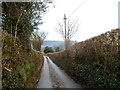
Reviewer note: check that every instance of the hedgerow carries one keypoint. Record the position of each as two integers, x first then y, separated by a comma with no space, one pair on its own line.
96,60
20,69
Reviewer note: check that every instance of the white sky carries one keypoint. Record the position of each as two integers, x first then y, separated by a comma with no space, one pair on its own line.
95,16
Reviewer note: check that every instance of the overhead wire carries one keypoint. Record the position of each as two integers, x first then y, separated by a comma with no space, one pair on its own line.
77,8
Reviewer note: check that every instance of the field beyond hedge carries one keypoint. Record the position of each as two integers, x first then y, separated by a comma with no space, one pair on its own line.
95,61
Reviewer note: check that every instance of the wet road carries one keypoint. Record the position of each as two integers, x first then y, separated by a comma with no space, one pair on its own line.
53,77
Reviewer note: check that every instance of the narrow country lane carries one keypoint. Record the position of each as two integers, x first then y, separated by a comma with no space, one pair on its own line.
53,77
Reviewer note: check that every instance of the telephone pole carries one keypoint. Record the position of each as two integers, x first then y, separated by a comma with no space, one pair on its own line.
65,30
65,24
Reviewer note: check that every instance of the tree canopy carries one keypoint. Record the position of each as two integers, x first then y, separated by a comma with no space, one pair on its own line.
20,19
48,50
67,30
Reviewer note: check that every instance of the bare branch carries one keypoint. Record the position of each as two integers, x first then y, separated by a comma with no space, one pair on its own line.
69,32
60,30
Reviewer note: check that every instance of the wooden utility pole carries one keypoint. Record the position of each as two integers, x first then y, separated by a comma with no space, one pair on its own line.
65,30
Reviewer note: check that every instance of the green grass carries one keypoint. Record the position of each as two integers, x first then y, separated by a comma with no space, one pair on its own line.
27,69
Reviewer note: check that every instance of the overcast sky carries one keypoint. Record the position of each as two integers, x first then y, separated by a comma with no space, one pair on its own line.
95,17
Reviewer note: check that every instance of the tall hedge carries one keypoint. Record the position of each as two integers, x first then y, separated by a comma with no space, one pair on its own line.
97,59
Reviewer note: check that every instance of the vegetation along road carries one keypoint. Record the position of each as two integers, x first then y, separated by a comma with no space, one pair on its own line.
53,77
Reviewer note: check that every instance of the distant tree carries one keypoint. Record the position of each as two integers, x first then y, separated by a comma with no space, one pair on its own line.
57,49
37,39
61,46
67,30
48,50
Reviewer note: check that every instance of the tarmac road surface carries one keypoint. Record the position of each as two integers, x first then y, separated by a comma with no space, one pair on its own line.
53,77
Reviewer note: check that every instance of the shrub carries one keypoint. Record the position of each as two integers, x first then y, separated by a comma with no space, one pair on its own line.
19,68
96,60
48,50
